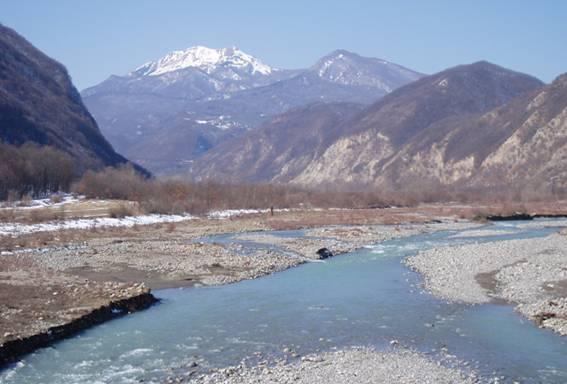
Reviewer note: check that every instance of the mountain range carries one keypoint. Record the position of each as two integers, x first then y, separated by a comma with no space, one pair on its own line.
167,113
38,103
381,143
347,121
476,125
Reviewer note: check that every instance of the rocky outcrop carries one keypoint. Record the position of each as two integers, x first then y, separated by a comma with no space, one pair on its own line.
470,126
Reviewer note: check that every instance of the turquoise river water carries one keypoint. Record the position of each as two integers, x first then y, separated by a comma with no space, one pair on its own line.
365,298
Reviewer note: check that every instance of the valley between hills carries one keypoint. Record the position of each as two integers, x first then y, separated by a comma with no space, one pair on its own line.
209,218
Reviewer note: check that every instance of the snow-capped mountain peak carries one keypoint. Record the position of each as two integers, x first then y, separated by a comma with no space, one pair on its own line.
348,68
206,59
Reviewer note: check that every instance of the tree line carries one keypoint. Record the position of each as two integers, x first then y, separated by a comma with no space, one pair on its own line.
33,170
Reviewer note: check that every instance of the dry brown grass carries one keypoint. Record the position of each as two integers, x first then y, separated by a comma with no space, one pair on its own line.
7,215
123,210
42,215
170,227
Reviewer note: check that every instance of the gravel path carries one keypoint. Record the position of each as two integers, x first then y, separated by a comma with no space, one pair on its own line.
532,273
356,365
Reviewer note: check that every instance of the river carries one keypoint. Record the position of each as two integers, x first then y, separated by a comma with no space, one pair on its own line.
364,298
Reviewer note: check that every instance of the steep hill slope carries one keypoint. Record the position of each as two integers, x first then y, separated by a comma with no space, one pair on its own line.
521,143
280,149
39,103
406,115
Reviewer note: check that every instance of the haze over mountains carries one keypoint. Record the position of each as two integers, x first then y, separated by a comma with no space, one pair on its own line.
38,103
169,112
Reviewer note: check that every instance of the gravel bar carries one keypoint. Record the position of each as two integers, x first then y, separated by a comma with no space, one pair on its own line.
531,273
354,365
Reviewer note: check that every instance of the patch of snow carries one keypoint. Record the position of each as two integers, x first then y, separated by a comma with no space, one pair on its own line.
42,203
228,213
222,122
443,83
15,229
206,59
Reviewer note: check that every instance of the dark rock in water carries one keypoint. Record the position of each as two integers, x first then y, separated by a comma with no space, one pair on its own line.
324,253
512,217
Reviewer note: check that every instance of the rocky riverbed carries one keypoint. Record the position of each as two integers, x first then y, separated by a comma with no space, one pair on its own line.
347,238
531,273
73,273
354,365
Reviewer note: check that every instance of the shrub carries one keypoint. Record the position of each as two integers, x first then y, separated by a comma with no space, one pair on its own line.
121,210
56,198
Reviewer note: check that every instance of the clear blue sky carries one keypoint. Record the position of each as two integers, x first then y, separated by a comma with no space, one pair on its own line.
97,38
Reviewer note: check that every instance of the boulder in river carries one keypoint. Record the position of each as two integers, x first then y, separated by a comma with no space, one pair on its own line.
324,253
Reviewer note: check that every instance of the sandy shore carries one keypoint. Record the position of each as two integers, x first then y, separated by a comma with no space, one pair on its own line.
355,365
531,273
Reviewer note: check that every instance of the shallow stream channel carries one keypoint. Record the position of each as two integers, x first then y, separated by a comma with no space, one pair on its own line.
364,298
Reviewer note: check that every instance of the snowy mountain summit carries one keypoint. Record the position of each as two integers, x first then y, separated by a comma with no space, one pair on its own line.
169,112
348,68
206,59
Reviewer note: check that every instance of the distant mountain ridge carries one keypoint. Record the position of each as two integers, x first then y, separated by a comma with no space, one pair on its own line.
38,103
347,68
280,149
395,123
473,125
521,143
192,100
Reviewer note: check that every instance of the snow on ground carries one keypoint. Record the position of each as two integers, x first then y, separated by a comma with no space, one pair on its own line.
16,229
42,203
228,213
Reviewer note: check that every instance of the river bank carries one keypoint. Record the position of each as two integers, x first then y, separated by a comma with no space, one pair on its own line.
367,298
531,274
52,279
